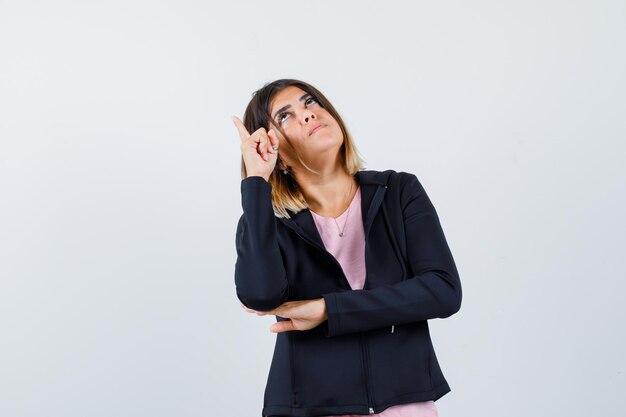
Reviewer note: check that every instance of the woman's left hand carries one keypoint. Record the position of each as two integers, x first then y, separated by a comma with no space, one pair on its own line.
303,315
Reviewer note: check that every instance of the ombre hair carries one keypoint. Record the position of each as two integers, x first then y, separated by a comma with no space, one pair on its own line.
286,193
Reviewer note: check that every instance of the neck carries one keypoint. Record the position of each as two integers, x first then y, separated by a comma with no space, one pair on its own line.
330,192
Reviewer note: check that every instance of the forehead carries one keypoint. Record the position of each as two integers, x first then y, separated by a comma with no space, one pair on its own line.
287,95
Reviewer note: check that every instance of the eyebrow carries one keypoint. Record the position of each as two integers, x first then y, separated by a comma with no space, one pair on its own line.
289,105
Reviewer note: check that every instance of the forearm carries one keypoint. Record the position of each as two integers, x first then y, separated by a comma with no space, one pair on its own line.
433,292
422,297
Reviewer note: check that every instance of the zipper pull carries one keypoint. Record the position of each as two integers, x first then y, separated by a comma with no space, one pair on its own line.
371,410
392,328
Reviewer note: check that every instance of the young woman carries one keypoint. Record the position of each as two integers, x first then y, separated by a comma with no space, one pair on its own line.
352,263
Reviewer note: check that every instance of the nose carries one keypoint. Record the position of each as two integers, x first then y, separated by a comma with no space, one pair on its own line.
308,115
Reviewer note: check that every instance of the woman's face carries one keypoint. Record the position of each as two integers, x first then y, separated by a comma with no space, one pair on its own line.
299,115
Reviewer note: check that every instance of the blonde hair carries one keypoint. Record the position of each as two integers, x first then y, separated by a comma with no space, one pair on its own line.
286,193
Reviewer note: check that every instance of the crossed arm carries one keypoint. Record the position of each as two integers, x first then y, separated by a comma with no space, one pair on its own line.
434,292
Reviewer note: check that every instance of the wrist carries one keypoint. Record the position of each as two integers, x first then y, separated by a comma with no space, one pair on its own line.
258,175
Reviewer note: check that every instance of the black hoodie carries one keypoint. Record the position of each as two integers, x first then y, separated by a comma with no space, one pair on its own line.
375,350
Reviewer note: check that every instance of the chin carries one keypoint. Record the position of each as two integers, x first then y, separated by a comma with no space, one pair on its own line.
327,138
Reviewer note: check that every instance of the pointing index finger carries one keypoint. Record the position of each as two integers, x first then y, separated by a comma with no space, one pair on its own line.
243,132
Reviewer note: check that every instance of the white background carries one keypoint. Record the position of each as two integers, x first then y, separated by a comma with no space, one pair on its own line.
120,174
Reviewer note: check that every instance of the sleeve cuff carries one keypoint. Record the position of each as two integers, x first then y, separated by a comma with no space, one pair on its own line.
331,325
255,181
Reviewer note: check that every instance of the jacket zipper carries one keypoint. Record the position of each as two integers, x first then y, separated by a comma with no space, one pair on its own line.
364,355
367,374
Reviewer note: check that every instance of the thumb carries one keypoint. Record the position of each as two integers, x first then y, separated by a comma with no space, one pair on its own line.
282,326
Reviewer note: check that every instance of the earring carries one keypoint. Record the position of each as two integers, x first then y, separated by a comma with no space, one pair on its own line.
285,171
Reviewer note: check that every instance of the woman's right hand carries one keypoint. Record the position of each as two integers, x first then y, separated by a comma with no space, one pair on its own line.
256,149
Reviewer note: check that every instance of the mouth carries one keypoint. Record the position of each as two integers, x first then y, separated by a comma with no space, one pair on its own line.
315,129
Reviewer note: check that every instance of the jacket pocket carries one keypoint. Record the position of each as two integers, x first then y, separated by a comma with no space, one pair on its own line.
400,361
328,371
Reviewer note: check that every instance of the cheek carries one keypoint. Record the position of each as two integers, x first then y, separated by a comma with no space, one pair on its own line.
294,134
335,130
334,126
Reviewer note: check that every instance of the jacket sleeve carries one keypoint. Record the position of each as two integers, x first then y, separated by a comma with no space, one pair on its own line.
435,292
260,277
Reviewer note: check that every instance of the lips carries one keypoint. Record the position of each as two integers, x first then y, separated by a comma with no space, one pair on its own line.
315,129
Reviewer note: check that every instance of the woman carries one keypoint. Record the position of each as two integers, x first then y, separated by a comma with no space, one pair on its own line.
352,263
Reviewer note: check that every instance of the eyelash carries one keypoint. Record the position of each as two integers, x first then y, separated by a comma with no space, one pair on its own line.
281,115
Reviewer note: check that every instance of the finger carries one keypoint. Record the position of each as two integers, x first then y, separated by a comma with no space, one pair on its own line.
262,144
282,326
259,135
273,138
243,132
256,142
261,149
268,147
253,142
272,141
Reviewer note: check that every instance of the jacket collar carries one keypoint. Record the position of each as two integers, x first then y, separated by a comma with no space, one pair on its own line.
373,186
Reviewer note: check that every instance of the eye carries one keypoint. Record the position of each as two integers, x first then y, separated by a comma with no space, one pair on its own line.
280,116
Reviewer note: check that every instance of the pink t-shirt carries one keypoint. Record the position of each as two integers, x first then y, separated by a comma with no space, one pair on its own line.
349,250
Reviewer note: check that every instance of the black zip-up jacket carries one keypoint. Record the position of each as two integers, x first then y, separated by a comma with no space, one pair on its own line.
374,350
